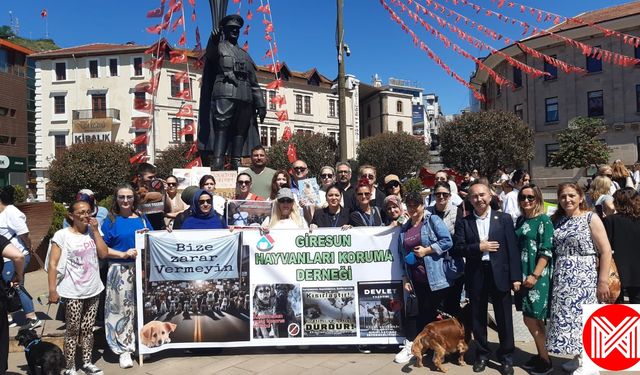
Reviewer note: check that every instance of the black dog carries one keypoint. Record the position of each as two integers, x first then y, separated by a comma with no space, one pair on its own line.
40,353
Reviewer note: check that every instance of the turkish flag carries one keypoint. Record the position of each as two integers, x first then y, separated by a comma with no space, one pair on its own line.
155,13
275,68
185,111
245,46
192,3
182,76
44,13
184,94
177,57
191,151
282,115
275,84
292,155
148,87
249,15
183,39
268,28
141,123
286,136
138,158
142,139
264,9
193,16
178,22
188,129
197,35
155,29
268,37
157,47
197,162
246,30
154,64
280,100
143,105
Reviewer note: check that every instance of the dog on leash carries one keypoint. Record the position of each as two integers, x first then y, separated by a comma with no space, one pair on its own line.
40,353
444,337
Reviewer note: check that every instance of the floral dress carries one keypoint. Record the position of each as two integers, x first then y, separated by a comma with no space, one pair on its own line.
535,239
575,279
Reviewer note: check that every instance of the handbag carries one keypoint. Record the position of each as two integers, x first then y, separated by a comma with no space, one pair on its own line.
13,299
614,283
411,308
453,267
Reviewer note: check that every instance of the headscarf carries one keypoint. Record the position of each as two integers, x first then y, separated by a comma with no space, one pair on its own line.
195,205
395,200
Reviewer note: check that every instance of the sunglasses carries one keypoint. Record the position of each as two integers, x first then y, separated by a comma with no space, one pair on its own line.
125,197
442,195
299,169
245,182
205,201
83,213
172,184
393,184
285,200
326,175
529,198
369,176
363,194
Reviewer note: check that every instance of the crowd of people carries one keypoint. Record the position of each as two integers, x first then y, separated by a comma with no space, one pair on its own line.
482,240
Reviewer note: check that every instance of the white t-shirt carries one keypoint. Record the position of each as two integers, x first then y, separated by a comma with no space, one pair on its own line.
510,205
285,224
78,265
13,223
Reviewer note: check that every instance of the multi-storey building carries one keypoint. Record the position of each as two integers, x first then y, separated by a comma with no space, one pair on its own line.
607,91
390,108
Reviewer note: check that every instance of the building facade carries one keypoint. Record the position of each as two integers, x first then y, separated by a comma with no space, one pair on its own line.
390,108
14,114
547,104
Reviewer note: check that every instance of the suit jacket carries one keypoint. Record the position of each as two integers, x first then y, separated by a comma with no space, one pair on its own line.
505,263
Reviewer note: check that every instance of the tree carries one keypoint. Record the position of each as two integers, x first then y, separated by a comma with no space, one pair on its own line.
173,157
99,166
6,32
393,153
579,146
317,150
486,141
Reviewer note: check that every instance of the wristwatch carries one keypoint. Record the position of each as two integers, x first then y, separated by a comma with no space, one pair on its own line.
537,277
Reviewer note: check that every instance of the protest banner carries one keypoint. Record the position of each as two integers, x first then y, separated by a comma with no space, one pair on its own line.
215,288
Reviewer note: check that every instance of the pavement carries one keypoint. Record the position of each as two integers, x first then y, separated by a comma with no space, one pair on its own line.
264,360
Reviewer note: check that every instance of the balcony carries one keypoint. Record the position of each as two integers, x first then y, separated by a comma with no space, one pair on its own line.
89,114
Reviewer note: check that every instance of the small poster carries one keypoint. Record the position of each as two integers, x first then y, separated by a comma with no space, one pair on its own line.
380,309
308,192
197,173
329,312
183,175
277,311
244,213
225,183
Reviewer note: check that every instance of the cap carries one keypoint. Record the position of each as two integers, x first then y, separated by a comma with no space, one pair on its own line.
86,195
232,20
187,194
284,193
391,177
414,196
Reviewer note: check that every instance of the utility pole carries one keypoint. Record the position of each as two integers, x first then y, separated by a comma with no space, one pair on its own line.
342,105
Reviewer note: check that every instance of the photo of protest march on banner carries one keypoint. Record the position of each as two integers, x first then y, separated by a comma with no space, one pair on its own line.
309,192
277,311
380,306
241,213
329,311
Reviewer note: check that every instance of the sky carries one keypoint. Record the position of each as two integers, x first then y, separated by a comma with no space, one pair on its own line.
304,31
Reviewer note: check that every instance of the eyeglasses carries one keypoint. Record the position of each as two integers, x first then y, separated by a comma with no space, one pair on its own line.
442,195
529,198
344,172
205,201
125,197
393,184
244,182
326,175
363,194
172,184
369,176
285,200
83,213
299,169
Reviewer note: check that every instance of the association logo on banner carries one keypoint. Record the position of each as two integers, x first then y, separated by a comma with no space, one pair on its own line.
610,336
265,243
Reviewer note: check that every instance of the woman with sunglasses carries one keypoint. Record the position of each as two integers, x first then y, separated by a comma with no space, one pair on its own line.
175,200
327,179
285,213
280,179
534,232
333,215
392,186
365,214
203,216
119,233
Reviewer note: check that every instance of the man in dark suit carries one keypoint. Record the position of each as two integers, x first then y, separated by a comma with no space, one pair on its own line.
487,239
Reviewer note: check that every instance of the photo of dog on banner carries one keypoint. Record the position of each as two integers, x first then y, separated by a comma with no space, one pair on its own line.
277,310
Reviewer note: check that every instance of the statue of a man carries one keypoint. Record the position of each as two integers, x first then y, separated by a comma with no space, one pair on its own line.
230,98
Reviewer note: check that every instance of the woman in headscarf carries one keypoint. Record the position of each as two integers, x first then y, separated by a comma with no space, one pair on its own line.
203,216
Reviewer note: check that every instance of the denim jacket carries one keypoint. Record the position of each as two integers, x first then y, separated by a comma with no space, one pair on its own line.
433,233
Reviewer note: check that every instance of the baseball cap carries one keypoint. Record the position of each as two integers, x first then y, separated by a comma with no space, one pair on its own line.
284,193
391,177
86,195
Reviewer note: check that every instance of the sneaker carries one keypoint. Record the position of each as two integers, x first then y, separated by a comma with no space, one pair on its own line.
542,367
582,371
572,365
91,369
125,360
531,363
70,372
33,323
404,355
364,349
12,323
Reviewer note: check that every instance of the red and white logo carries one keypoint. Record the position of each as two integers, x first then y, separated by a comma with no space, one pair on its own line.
611,336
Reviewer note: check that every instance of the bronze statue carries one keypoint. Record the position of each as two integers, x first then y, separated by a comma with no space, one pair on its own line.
230,98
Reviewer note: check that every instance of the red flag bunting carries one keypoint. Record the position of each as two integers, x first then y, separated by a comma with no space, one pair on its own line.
245,46
292,154
185,111
182,76
188,129
178,22
44,13
148,87
155,29
275,68
192,3
154,13
143,105
286,135
141,123
197,162
282,115
193,15
184,94
279,100
154,64
264,9
192,150
159,46
249,15
142,139
177,57
183,39
138,158
246,30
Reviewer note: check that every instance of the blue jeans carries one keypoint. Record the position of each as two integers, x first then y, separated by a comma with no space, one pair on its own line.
7,275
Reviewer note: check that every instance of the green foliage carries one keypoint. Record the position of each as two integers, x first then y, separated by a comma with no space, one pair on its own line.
99,166
6,32
106,202
579,146
317,150
486,141
393,153
414,184
59,214
173,157
20,195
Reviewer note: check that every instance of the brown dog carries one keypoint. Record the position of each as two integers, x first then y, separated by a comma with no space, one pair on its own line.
156,333
443,337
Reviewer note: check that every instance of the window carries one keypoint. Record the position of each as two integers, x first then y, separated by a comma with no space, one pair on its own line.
595,105
549,151
99,105
307,105
553,70
594,64
636,53
137,66
519,111
273,136
399,106
175,87
498,90
61,71
399,127
188,138
176,126
263,135
58,104
517,77
4,61
4,111
143,146
264,95
272,104
60,144
113,67
93,68
332,108
551,109
298,103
